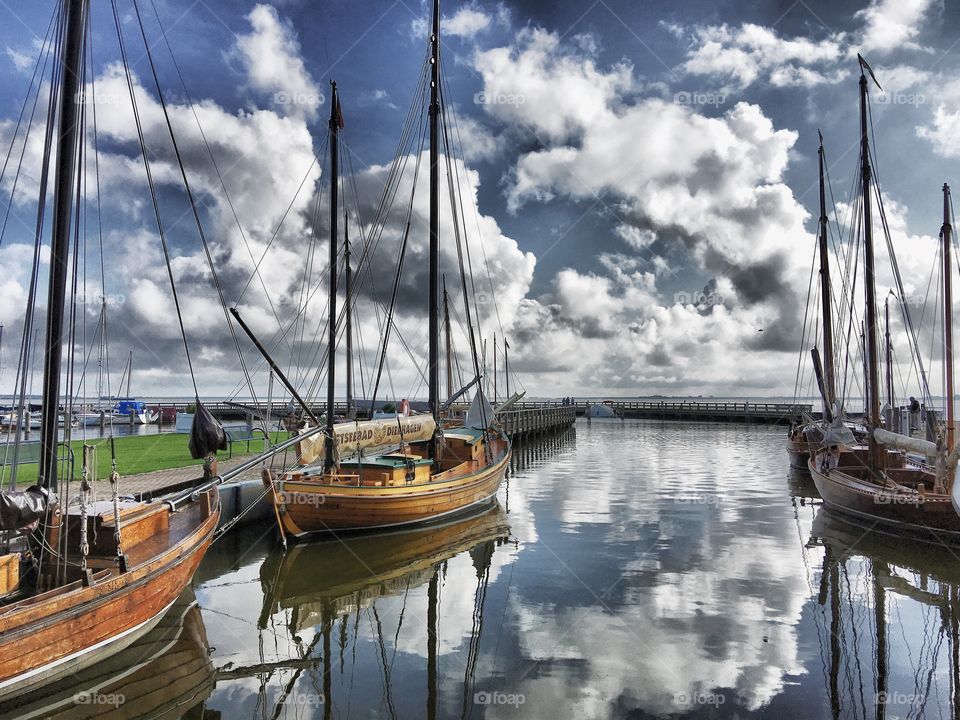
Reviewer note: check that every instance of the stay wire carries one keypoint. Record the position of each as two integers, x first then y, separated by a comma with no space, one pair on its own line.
153,196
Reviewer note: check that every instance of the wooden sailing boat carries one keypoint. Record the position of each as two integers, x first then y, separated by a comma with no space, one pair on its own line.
883,480
432,467
59,614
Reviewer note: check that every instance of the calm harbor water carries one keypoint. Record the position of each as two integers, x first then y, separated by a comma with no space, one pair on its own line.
630,569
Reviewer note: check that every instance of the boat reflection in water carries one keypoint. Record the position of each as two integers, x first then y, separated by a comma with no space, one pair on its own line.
354,584
166,674
888,621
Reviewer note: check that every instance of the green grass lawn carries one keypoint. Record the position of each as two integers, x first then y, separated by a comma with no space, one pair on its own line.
140,453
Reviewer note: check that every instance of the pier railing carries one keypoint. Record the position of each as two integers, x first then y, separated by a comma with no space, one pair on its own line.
548,412
531,420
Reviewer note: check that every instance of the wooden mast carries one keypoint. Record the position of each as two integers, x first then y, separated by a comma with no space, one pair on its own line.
870,325
506,367
68,135
434,290
348,278
888,351
494,367
449,343
946,232
825,303
328,459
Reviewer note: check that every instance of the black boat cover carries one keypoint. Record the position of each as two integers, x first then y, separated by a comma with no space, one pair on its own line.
22,509
206,434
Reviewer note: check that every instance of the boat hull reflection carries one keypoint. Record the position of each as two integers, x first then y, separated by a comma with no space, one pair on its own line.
162,675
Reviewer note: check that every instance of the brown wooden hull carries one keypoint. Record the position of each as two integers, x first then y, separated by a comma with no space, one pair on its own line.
929,516
58,632
161,675
798,448
307,507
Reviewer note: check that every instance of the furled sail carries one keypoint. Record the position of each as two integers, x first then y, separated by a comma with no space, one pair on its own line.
480,414
507,404
22,509
352,437
904,442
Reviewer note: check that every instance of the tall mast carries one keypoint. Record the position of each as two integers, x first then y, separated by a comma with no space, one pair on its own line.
494,367
870,328
506,366
434,329
348,276
446,325
825,303
335,121
129,371
888,347
946,232
67,137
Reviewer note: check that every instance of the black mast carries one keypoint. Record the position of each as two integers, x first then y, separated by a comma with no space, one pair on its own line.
68,135
870,328
829,364
335,121
945,231
434,329
348,277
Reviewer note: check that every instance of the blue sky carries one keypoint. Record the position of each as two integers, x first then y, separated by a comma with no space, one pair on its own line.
626,158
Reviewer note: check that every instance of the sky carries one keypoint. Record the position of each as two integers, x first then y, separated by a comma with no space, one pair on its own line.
639,180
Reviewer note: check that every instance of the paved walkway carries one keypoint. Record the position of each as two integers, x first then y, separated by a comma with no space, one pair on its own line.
159,479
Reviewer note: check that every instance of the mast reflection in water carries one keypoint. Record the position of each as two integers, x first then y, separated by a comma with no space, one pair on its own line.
630,569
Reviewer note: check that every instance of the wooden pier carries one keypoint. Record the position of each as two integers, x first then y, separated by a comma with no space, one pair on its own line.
704,411
532,420
535,417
